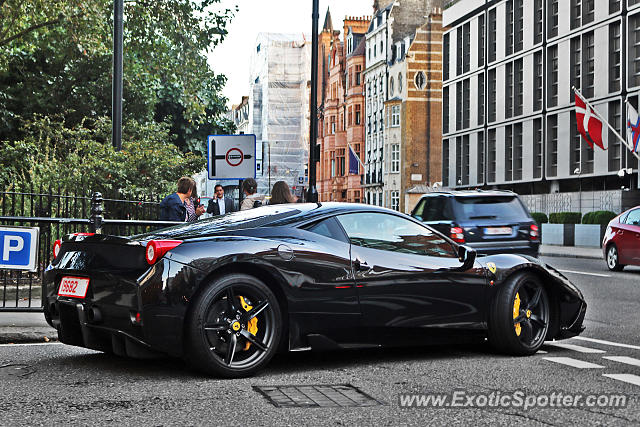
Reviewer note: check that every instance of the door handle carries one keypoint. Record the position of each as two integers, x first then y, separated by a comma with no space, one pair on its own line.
361,265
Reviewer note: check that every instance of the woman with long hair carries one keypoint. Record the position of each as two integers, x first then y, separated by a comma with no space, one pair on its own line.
281,194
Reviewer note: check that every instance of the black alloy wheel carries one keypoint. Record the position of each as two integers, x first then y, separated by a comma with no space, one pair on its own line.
520,315
234,328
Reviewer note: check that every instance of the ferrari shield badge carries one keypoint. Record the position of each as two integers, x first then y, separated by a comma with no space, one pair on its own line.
492,267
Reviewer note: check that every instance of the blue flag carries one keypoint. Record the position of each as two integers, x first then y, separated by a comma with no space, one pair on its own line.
354,164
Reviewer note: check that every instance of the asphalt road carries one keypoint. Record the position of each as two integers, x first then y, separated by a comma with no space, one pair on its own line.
55,384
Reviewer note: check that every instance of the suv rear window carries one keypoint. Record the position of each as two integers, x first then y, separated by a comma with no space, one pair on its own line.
502,207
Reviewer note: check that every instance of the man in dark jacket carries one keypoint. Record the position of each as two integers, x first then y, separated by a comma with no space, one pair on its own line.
172,207
220,205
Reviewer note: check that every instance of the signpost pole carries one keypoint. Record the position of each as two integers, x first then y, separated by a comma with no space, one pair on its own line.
313,128
116,102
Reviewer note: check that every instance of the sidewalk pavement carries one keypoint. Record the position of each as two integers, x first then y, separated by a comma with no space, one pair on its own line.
32,328
571,252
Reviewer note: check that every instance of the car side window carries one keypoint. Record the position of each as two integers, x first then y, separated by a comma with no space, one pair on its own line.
393,233
328,228
633,218
436,210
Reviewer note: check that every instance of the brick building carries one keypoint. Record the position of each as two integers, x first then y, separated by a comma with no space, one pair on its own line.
341,110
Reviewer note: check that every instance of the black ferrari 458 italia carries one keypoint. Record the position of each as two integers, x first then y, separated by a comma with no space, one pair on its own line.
227,293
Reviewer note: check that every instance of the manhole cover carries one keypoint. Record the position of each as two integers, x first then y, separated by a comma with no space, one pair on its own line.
16,370
316,396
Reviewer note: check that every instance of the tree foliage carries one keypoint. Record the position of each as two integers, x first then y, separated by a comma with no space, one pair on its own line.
55,88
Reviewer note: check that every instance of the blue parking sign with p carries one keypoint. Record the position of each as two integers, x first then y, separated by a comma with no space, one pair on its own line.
19,248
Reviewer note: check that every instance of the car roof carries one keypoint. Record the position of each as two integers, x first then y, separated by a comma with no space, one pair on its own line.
470,193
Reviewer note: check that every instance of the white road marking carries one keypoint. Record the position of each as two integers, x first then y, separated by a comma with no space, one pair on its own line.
30,344
573,362
578,348
623,359
627,378
615,344
585,273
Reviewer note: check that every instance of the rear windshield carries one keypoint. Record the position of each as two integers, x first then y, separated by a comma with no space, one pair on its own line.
502,207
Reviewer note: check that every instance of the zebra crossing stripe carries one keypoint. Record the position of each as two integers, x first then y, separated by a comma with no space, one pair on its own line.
574,347
627,378
615,344
575,363
623,359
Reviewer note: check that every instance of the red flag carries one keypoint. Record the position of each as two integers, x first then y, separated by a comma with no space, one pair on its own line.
589,125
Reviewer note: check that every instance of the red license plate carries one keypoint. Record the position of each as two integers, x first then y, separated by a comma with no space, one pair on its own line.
75,287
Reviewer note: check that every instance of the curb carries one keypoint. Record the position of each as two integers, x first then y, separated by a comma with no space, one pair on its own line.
557,255
15,335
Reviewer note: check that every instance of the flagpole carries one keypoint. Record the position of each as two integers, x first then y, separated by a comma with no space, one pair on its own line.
626,101
615,132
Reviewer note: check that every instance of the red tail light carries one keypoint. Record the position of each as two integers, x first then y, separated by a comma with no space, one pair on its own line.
56,248
534,232
457,234
157,248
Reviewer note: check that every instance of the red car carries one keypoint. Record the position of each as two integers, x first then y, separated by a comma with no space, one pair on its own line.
621,243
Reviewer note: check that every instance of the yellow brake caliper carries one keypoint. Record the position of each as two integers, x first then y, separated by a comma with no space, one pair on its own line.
252,325
516,313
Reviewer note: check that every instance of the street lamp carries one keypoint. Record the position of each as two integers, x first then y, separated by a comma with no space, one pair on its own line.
577,171
313,128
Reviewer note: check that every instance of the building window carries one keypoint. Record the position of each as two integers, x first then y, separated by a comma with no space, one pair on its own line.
518,30
459,106
614,6
537,81
466,100
395,116
480,98
508,89
445,163
341,162
537,148
333,163
518,86
614,57
492,35
615,146
576,145
465,160
517,152
552,76
588,70
481,31
445,58
509,29
508,153
480,159
395,157
333,124
358,75
420,80
491,149
634,51
492,95
395,200
552,145
538,21
357,114
588,11
459,160
466,54
459,51
445,109
576,58
576,13
552,18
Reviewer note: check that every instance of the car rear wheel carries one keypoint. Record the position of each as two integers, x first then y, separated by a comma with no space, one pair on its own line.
234,327
519,316
613,259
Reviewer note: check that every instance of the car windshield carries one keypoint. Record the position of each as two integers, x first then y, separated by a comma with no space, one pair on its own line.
502,207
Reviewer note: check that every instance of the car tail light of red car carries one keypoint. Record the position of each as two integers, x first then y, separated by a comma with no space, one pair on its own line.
157,248
534,232
457,234
56,248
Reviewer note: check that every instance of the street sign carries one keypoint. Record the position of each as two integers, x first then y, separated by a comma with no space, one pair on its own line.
231,156
19,248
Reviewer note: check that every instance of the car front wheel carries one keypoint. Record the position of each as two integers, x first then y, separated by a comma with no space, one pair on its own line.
613,259
234,327
519,316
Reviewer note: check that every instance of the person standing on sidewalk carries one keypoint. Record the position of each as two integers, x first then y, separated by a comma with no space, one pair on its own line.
220,205
252,198
172,207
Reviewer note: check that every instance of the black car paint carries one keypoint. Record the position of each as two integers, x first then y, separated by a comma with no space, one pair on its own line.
320,290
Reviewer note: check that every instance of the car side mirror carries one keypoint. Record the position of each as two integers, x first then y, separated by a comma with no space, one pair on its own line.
467,256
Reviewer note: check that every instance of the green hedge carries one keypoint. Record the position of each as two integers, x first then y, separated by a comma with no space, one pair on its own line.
565,218
540,217
598,217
